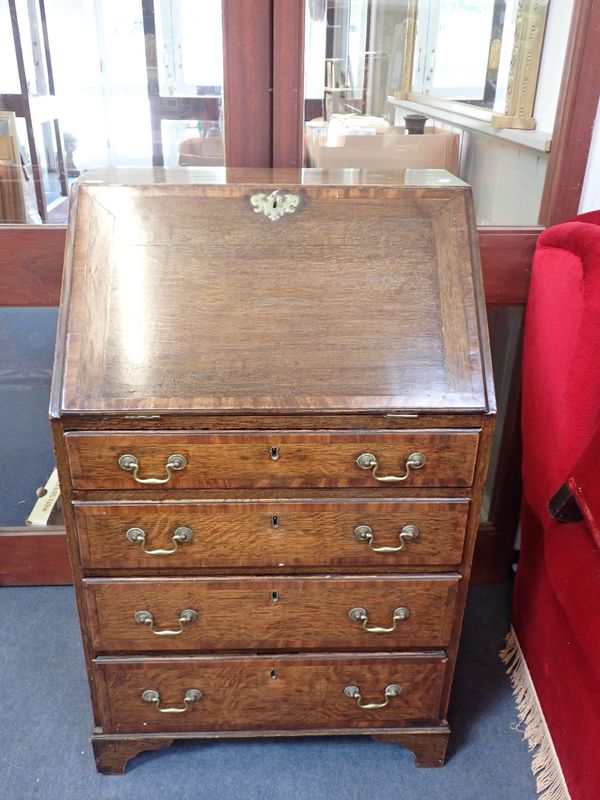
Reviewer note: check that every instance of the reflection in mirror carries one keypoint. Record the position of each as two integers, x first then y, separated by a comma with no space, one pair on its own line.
483,53
467,68
189,48
13,187
459,45
39,154
139,83
9,74
355,56
193,143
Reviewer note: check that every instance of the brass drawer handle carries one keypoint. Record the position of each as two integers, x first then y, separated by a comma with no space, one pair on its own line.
182,535
129,463
360,615
353,692
369,461
146,618
191,696
409,533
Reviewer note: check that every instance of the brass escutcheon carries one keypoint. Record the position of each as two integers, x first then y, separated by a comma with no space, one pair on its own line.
275,204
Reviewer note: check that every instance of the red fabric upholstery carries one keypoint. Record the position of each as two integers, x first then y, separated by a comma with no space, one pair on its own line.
557,593
584,483
561,372
565,682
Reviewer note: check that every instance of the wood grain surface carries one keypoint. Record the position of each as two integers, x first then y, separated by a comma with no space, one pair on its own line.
247,78
277,614
171,309
242,535
112,755
113,751
243,460
278,692
191,327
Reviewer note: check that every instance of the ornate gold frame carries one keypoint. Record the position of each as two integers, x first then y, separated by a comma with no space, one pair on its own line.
524,67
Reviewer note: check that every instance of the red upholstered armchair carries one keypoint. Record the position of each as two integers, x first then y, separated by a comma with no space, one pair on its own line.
553,652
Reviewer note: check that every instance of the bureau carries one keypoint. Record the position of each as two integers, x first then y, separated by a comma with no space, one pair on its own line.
272,410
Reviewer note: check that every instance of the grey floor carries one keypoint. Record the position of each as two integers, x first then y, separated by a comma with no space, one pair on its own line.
45,721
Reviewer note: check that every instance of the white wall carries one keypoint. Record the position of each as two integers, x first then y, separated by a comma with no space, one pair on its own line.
590,196
551,65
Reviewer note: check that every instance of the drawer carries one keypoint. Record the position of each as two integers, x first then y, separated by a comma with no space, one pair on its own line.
271,459
271,613
311,533
270,692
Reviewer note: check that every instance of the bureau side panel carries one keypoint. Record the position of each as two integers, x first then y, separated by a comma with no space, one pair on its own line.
66,493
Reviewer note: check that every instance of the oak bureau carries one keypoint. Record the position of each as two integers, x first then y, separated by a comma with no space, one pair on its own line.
272,409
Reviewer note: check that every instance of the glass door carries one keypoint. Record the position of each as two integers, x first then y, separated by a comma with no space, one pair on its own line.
184,62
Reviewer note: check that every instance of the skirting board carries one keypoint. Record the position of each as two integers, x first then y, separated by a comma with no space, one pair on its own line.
34,556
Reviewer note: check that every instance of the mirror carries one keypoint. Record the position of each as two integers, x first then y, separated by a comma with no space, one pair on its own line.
482,53
458,47
92,83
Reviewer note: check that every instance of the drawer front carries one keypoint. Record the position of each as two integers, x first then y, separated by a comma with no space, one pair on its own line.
270,614
270,693
280,534
274,459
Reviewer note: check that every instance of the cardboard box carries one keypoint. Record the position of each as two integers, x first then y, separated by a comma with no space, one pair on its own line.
393,149
202,151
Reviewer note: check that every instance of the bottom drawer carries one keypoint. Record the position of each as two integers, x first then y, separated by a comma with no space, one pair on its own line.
298,692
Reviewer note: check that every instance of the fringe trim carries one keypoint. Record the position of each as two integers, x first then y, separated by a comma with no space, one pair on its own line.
550,781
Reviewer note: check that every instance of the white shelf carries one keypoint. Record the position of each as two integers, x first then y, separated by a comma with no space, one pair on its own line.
533,140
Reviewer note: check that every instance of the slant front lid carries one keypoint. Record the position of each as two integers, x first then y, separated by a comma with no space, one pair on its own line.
271,290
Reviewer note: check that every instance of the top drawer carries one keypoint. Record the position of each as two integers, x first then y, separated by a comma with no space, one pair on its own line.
254,460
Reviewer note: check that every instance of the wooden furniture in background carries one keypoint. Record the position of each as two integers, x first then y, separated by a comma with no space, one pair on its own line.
271,459
12,207
12,195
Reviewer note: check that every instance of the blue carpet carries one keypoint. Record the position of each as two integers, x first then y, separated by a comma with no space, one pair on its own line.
45,722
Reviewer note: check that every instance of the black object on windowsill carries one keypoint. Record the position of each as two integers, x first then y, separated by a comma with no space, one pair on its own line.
415,123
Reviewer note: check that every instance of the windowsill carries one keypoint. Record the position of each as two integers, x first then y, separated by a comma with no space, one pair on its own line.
533,140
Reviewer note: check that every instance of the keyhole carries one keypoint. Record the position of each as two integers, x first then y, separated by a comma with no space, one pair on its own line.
274,597
274,521
274,453
273,673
